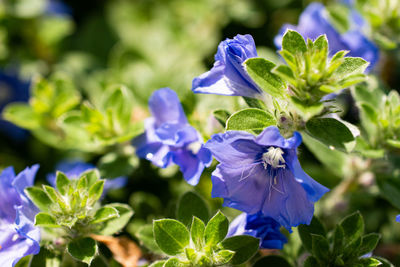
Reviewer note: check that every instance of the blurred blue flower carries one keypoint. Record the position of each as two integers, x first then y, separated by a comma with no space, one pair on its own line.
12,89
262,227
314,22
228,76
58,8
262,174
169,139
398,218
74,169
19,237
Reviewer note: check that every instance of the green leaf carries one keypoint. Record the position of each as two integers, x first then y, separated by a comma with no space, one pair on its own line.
338,240
216,229
305,232
223,256
368,243
370,262
254,102
116,224
95,192
191,204
174,262
384,262
244,246
45,258
251,119
104,214
83,249
293,42
350,66
44,219
171,236
390,190
146,236
307,111
39,198
21,115
320,247
259,70
286,73
331,132
157,264
221,116
62,183
353,227
197,232
272,260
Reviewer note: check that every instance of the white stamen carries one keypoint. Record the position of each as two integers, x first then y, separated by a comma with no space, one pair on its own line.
194,147
273,157
149,156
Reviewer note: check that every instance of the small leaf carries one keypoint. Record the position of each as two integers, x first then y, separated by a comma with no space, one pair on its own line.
259,70
370,262
174,262
62,182
353,226
329,131
244,246
197,232
171,236
44,219
368,243
320,247
157,264
221,116
191,204
338,240
351,65
216,229
251,120
104,214
116,224
95,191
83,249
39,198
254,103
311,261
286,73
293,42
21,115
305,232
146,236
223,256
272,260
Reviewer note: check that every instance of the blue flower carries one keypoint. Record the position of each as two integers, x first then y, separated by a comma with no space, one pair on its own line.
74,169
169,139
228,76
19,237
314,21
262,174
398,218
58,8
12,89
262,227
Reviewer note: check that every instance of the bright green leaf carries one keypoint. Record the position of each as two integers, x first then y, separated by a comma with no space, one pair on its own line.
244,246
216,229
83,249
191,204
171,236
250,119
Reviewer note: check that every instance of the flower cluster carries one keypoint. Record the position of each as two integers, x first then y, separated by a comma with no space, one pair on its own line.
19,236
169,138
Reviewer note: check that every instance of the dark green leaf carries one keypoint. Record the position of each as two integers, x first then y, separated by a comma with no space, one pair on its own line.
83,249
390,190
331,132
191,204
353,227
338,240
305,232
221,116
312,262
45,258
320,247
272,260
244,246
254,103
171,236
368,243
146,236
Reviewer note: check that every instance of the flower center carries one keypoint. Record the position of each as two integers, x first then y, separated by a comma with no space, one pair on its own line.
194,147
273,157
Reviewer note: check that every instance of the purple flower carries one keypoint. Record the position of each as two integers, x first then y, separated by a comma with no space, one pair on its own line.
74,169
262,174
262,227
12,89
19,237
228,76
398,218
169,139
314,22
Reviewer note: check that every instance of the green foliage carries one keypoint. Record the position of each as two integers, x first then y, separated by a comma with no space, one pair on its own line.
272,260
191,204
73,209
201,245
251,119
309,72
343,246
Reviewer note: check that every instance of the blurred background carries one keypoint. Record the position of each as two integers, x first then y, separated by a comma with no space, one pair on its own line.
146,45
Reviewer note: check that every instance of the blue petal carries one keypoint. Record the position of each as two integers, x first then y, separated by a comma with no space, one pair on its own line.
190,165
228,76
233,148
271,136
398,218
165,107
